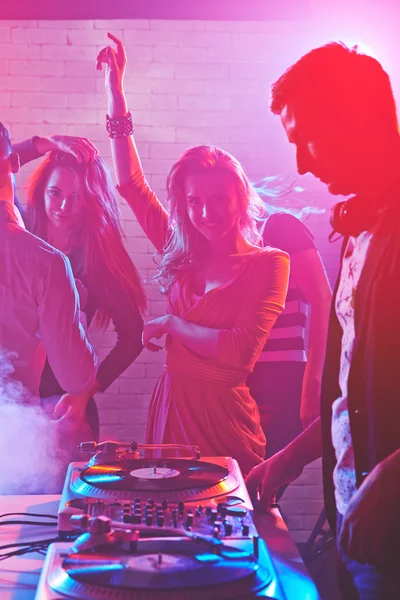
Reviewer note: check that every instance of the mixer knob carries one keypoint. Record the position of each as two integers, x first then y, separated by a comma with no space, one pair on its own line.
223,511
174,517
136,518
218,525
213,515
181,506
215,532
160,520
228,527
208,510
199,509
189,519
149,519
245,529
100,525
151,502
164,504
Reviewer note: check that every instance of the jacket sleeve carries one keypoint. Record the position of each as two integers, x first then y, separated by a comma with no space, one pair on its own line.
241,345
26,151
68,350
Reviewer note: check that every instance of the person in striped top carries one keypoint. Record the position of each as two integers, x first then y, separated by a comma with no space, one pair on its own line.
285,382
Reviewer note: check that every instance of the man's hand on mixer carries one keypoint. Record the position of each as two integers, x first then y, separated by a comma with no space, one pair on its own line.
285,466
268,477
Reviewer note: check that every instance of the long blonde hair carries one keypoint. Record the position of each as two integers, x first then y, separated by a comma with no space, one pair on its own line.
185,244
99,235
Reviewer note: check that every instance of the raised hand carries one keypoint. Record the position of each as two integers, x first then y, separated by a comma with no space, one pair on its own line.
81,148
114,61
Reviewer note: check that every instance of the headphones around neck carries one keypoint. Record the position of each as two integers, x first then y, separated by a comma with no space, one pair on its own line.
355,215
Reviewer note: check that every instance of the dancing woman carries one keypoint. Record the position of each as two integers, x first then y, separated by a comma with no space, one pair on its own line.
224,291
72,205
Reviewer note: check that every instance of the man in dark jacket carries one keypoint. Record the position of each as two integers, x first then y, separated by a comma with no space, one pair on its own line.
336,105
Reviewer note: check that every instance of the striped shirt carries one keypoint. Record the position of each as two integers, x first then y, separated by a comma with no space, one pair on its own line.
286,341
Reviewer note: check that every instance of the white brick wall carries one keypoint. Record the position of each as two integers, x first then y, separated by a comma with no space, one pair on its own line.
188,82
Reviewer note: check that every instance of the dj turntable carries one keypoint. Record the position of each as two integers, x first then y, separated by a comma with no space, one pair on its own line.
194,493
119,564
157,528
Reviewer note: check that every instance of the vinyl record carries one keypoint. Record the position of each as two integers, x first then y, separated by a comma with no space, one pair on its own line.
176,565
158,570
150,475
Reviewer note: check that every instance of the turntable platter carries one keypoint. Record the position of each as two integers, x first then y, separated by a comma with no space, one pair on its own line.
179,569
154,475
157,570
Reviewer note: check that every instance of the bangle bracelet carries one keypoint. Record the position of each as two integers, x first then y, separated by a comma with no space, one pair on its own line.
119,127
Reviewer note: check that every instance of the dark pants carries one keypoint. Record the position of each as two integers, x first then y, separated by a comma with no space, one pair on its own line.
276,387
366,582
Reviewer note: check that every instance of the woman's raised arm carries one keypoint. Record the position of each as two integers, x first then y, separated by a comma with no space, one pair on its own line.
150,213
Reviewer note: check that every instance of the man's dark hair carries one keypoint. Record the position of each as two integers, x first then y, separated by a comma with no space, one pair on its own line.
338,82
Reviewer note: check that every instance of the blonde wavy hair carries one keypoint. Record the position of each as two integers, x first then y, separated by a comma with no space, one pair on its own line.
185,245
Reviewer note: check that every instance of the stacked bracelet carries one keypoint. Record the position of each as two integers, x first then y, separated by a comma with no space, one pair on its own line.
119,127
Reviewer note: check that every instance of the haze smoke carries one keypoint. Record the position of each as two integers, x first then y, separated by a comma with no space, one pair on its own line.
32,461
